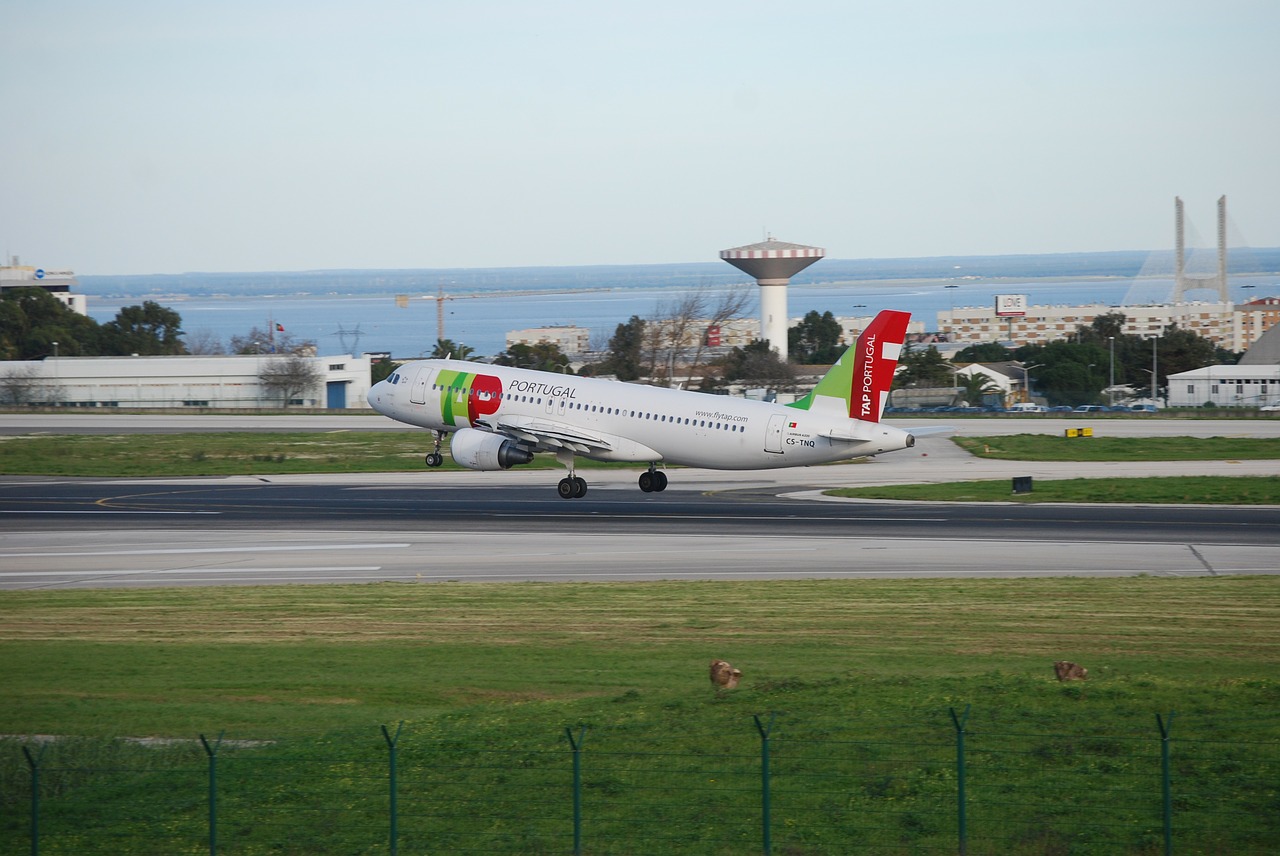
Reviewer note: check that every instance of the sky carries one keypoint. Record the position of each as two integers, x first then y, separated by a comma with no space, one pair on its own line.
177,135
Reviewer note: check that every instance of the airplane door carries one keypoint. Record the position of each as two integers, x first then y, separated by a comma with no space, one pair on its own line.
418,395
773,433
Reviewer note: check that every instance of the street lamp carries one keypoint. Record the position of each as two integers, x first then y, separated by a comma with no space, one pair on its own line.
1111,379
1155,337
1026,380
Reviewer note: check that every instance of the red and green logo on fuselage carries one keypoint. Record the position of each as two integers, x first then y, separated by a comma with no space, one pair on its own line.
464,395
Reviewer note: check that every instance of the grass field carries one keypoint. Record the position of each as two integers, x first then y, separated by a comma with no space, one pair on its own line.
856,680
1048,447
239,453
858,675
1228,490
221,453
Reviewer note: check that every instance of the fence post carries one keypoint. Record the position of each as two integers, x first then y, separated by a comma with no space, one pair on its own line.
212,752
34,763
576,745
1166,790
959,721
391,745
765,829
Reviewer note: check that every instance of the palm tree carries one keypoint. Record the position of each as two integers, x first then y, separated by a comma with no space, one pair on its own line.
449,349
971,388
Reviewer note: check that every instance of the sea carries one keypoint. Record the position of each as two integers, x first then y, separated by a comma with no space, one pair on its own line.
350,312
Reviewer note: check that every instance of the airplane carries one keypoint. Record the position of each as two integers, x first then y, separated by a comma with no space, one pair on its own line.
500,416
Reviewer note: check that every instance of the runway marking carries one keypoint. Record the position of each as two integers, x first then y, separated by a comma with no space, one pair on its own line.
128,572
98,511
178,551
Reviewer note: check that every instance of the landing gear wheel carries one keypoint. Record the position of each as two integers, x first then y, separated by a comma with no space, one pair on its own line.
433,458
652,480
568,488
580,487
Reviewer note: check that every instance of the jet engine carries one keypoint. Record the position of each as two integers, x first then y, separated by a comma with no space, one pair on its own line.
480,450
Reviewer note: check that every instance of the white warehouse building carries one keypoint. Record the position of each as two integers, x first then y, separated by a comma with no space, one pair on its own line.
1226,386
182,381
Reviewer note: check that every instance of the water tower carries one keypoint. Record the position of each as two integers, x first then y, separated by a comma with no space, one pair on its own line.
772,264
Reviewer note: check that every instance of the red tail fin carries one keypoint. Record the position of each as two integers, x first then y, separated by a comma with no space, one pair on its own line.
876,354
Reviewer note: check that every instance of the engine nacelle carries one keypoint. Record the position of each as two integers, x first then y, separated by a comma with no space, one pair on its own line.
480,450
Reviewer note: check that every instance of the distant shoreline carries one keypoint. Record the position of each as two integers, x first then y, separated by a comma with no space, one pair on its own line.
834,273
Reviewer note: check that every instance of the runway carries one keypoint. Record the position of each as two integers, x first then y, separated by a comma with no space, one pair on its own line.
435,526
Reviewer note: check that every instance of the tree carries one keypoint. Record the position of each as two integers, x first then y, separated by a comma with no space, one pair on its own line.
448,349
816,339
1179,350
922,367
258,341
289,376
25,385
626,349
697,314
973,388
987,352
544,356
675,336
380,370
757,364
148,330
203,343
1107,326
32,319
1069,373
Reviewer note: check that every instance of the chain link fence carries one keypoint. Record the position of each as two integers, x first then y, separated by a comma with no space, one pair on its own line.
766,787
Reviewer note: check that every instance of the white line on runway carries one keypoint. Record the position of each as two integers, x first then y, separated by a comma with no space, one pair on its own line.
142,572
181,551
97,511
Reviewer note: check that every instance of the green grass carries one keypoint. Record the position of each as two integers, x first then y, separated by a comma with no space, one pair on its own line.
1229,490
218,454
861,676
1046,447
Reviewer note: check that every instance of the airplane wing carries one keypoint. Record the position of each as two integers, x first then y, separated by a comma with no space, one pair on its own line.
548,434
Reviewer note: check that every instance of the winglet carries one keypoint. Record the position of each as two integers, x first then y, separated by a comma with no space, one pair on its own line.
858,385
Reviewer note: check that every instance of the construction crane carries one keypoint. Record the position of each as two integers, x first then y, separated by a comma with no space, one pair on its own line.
402,301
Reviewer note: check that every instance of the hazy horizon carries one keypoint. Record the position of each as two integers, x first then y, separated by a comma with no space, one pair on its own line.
393,135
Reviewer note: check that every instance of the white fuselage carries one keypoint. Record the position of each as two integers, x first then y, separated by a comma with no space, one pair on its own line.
614,421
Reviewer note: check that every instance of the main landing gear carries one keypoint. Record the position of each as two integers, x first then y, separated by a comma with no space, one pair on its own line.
434,458
572,487
653,480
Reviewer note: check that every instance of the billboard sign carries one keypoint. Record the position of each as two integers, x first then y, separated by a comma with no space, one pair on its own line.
1011,305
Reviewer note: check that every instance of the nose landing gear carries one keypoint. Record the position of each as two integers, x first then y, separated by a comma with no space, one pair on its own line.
434,458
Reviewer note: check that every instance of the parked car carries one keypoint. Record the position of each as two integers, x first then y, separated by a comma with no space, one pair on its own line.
1143,408
1090,408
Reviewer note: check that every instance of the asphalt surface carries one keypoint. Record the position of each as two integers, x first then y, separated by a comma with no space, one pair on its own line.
433,526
